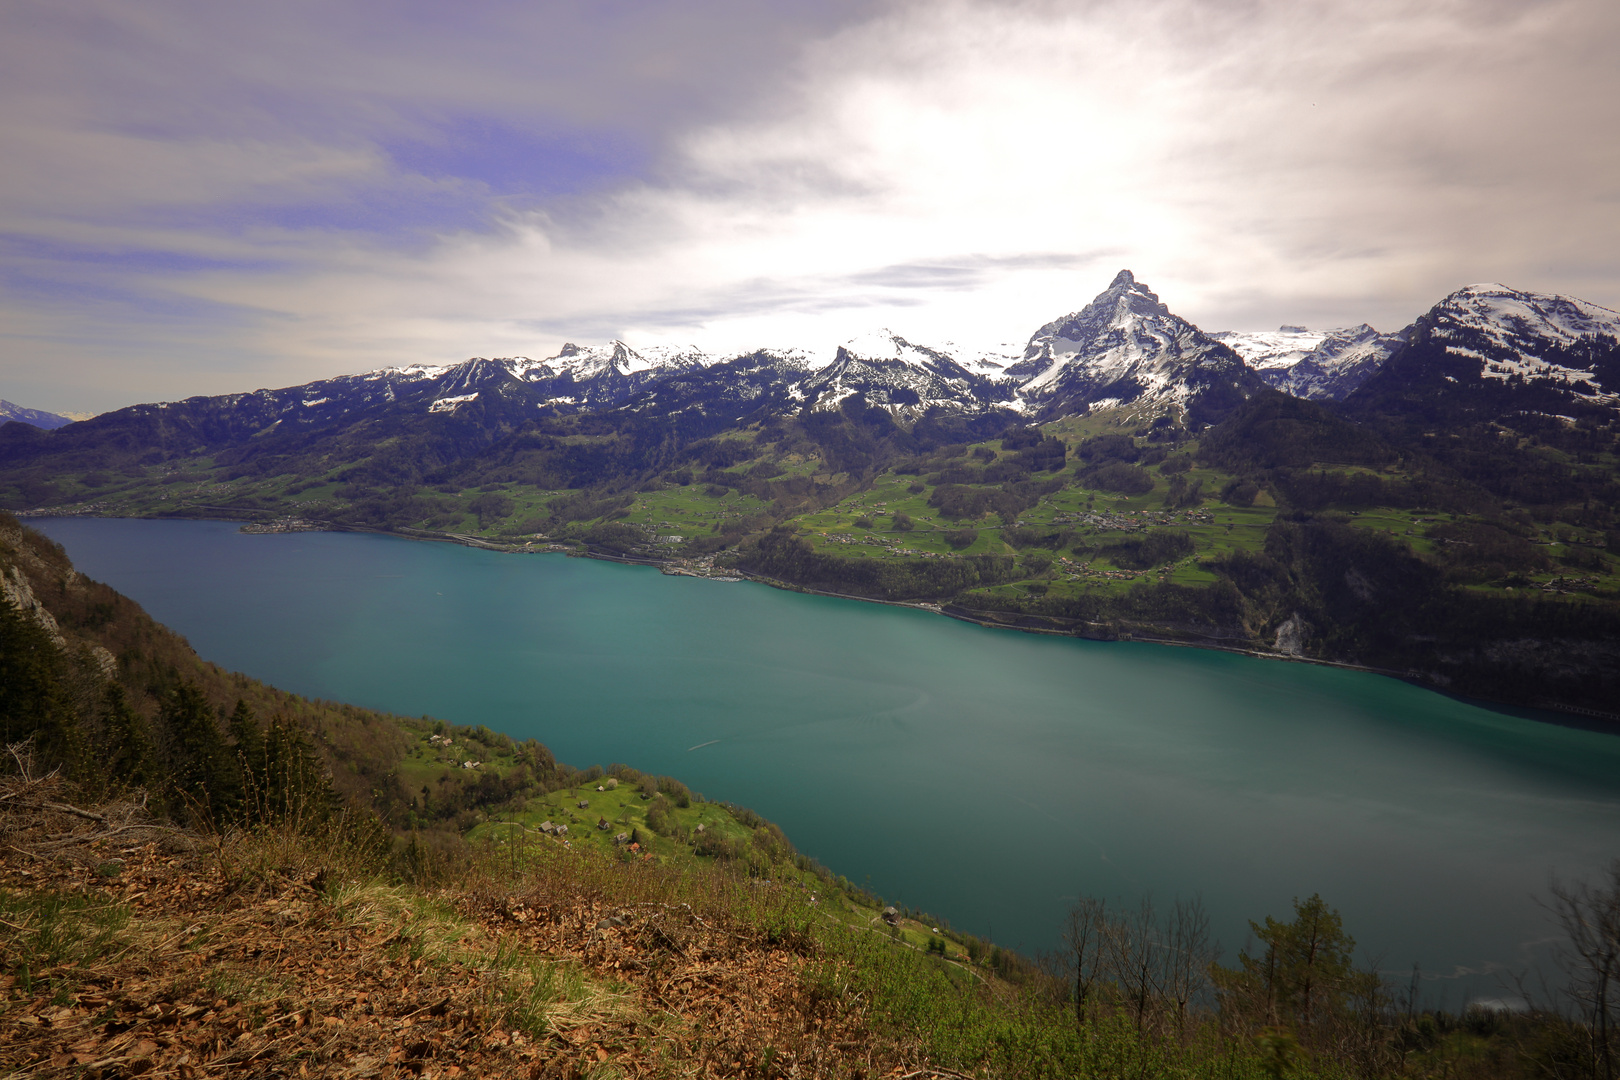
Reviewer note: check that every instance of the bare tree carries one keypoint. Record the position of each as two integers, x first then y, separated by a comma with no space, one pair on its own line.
1134,958
1154,966
1590,917
1082,937
1189,954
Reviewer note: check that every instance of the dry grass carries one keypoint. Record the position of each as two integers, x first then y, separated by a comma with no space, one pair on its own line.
38,821
133,948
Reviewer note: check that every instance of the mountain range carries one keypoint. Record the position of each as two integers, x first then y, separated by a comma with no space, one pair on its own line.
1125,349
1322,365
1444,499
37,417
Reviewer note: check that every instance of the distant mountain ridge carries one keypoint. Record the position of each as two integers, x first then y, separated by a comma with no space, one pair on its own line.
1489,351
39,418
1319,365
1125,350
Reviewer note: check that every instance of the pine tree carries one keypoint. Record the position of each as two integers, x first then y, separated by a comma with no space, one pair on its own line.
295,784
128,750
34,695
249,744
1304,978
201,770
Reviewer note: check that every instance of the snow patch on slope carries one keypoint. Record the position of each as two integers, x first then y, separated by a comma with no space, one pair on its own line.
1316,364
410,372
448,404
988,360
1511,331
1266,350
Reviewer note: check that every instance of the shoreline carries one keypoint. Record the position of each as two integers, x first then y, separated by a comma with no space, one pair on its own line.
1596,719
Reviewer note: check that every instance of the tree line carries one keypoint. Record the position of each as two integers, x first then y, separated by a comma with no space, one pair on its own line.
1297,995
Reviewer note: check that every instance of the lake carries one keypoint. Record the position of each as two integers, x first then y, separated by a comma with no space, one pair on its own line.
986,776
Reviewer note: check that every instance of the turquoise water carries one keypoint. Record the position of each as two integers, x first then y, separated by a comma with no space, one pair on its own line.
983,775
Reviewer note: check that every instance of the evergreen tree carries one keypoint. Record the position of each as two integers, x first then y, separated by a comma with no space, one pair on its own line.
128,750
34,698
248,740
201,769
295,784
1304,978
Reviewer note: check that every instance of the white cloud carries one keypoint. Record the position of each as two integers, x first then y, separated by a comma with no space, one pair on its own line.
969,170
1266,161
1354,160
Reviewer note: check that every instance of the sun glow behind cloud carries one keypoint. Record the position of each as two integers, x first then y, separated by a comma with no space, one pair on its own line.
309,198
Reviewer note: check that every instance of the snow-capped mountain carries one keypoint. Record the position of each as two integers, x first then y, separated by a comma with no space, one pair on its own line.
757,385
578,376
37,417
1128,348
587,363
1492,350
905,378
1515,333
1315,364
991,361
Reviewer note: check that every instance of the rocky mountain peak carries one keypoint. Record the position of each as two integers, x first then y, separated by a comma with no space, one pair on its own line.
1126,347
1124,302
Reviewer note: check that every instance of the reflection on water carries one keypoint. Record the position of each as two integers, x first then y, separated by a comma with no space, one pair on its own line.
983,775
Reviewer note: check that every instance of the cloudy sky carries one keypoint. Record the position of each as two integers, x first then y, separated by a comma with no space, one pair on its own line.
201,197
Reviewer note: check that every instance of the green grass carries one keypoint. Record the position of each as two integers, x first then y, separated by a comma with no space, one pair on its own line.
699,518
689,511
47,934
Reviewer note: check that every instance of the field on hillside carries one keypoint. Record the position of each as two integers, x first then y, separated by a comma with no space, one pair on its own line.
1374,546
1071,537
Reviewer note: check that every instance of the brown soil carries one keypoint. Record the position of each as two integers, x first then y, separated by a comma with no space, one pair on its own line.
213,964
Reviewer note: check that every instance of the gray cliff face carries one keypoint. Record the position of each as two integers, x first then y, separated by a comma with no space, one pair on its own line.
1293,635
19,593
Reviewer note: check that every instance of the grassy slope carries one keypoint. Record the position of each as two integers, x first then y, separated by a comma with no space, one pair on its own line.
274,953
692,511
